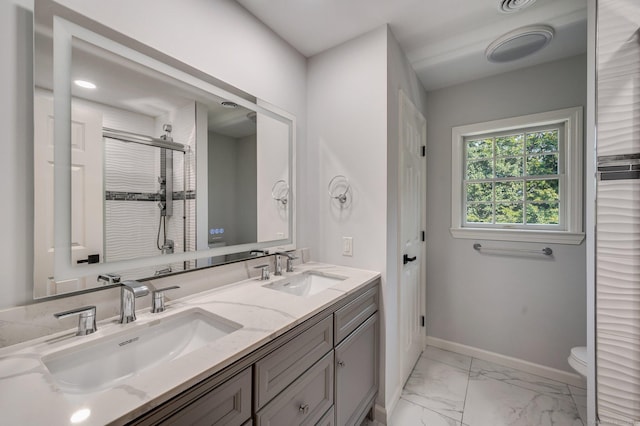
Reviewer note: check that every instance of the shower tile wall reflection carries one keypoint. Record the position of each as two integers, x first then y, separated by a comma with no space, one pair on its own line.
133,226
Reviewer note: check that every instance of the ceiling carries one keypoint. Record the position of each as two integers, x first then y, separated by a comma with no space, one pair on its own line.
444,40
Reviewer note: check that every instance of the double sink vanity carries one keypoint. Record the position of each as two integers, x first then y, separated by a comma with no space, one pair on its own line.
300,348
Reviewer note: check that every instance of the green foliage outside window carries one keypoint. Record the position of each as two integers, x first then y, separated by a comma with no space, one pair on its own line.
513,179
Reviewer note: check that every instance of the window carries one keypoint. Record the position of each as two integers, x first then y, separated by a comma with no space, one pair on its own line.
519,179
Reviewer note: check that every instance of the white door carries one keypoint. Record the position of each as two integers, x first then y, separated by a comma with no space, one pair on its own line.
412,191
86,194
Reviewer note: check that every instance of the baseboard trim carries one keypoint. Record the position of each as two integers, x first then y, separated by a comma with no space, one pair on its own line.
572,379
379,415
385,412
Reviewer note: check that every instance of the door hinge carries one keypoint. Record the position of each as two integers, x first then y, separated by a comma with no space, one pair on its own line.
423,236
421,320
424,150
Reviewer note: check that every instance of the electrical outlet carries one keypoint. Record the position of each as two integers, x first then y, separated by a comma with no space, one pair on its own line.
347,246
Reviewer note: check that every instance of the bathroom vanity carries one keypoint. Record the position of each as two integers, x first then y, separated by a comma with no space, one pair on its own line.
301,348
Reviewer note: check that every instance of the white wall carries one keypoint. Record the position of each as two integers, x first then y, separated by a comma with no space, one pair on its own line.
347,107
218,37
530,308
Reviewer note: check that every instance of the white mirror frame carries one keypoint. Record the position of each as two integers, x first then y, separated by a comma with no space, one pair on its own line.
64,31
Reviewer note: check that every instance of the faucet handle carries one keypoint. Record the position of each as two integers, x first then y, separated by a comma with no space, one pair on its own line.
290,263
157,298
86,319
265,271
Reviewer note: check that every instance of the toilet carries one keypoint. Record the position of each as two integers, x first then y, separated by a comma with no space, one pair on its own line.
578,360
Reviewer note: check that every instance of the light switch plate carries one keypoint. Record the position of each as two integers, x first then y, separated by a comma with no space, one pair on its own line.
347,246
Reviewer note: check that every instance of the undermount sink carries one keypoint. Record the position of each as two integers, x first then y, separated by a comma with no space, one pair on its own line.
306,284
106,361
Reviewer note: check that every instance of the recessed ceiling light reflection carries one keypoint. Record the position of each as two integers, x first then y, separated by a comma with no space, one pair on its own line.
80,415
85,84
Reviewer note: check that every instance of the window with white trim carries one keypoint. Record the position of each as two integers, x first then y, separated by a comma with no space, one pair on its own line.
519,179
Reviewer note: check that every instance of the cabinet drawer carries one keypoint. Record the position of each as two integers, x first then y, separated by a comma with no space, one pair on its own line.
227,404
350,316
305,402
284,365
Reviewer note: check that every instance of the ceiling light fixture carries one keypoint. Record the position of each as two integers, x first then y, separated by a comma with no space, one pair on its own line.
510,6
85,84
519,43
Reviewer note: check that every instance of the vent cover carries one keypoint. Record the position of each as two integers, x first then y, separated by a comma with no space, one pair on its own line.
519,43
510,6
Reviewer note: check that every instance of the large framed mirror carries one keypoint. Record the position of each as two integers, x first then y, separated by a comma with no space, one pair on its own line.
145,166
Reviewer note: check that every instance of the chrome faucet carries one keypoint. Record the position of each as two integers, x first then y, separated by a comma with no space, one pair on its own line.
290,259
130,290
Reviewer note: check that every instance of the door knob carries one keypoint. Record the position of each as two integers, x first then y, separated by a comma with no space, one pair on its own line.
406,259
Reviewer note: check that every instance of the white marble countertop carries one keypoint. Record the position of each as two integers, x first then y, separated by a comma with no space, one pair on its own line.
29,394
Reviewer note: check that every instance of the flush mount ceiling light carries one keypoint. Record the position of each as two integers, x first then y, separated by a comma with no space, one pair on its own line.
510,6
519,43
85,84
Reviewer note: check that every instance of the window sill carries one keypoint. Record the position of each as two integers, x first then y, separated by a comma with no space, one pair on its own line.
522,235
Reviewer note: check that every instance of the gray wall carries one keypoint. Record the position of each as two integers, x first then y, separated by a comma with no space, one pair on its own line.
529,307
232,187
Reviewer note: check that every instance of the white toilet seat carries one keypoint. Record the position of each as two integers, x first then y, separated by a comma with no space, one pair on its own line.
578,360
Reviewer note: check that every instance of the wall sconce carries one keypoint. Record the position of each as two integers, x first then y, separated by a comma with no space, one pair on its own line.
280,191
338,188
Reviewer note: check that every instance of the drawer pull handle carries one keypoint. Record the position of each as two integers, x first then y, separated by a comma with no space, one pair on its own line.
341,363
304,408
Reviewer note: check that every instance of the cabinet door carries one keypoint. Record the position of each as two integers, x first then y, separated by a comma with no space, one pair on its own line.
227,404
357,373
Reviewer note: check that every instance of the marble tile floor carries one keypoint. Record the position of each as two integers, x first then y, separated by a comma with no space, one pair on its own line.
450,389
